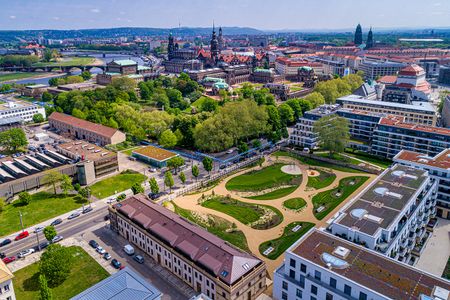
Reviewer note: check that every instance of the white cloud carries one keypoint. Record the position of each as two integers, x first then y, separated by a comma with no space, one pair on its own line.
95,10
12,17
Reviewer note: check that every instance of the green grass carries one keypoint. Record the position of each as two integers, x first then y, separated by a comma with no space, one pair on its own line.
68,61
321,181
117,183
274,194
217,226
294,203
129,151
339,157
288,238
17,76
446,273
378,161
313,162
330,200
85,272
246,213
43,206
266,178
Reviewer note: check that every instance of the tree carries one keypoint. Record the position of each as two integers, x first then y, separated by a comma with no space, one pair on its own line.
46,97
137,188
77,187
195,171
47,55
74,79
55,264
333,133
13,139
207,163
86,75
85,193
242,147
182,177
154,187
121,197
286,114
209,105
168,180
66,184
38,118
53,178
175,163
167,139
45,293
124,83
50,233
24,198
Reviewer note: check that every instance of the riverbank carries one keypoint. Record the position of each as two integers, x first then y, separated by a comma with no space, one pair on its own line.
12,77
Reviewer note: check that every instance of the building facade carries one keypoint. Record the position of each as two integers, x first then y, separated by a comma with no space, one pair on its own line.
6,283
12,108
374,69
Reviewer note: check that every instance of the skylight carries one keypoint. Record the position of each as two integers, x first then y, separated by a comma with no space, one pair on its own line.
333,262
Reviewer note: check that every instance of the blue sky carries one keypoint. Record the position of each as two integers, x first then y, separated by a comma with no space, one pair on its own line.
261,14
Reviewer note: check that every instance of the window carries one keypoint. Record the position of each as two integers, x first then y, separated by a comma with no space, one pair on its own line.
299,293
284,296
362,296
313,298
317,275
328,296
303,268
292,273
285,285
292,263
313,289
347,290
302,281
7,288
332,282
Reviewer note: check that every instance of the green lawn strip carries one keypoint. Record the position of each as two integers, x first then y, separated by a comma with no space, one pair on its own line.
258,180
129,151
313,162
294,203
274,194
339,157
329,198
43,206
288,238
217,226
17,76
72,61
321,181
378,161
246,213
446,273
85,272
117,183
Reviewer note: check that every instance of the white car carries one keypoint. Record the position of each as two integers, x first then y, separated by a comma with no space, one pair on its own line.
100,250
57,239
38,229
73,215
110,201
24,253
230,151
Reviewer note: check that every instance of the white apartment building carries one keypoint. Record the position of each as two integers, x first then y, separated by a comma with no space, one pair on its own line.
320,266
6,284
11,107
391,214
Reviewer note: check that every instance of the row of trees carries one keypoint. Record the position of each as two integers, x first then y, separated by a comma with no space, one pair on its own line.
335,88
18,60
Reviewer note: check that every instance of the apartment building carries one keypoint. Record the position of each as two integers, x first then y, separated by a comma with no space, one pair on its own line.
391,214
6,283
11,107
438,167
322,266
202,260
374,69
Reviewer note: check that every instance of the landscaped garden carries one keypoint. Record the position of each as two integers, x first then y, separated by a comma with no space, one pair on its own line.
321,181
84,273
116,184
276,194
254,215
42,206
274,248
216,225
294,204
326,201
378,161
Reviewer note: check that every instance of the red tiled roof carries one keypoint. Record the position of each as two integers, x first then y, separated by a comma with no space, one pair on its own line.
387,79
398,121
442,160
411,70
99,129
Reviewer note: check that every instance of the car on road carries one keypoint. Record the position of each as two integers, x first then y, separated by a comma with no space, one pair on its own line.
42,245
111,201
56,222
21,235
9,259
139,259
115,263
73,215
93,244
87,209
100,250
38,229
26,252
5,242
107,256
57,238
155,196
2,255
222,167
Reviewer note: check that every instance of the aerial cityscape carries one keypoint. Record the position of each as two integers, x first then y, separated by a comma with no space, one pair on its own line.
207,150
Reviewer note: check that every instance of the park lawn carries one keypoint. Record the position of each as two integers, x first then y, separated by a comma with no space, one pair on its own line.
274,194
330,200
68,61
313,162
43,206
262,179
288,238
294,203
217,226
85,272
117,183
17,76
321,181
378,161
198,103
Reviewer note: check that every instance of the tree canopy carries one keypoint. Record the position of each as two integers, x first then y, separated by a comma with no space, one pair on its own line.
333,132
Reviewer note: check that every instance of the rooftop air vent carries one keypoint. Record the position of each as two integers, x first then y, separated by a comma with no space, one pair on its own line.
341,251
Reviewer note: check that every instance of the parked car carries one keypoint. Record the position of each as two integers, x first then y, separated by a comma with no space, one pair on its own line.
38,229
56,222
9,259
128,249
87,209
100,250
22,235
155,196
24,253
152,170
2,255
42,246
73,215
222,167
57,238
139,259
93,244
5,242
107,256
115,263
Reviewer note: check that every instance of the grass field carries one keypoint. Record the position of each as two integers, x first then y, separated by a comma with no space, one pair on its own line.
85,272
266,178
18,75
289,237
43,206
321,181
197,104
245,213
339,157
117,183
274,194
294,203
378,161
330,199
68,61
129,151
217,226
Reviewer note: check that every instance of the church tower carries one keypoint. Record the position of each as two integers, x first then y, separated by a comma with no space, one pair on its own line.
369,42
358,35
221,41
170,47
215,51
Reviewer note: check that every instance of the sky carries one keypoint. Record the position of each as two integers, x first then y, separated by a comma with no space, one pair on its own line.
260,14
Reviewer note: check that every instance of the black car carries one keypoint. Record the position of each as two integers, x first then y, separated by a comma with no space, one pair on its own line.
2,255
42,246
93,244
56,222
5,242
155,196
87,209
115,263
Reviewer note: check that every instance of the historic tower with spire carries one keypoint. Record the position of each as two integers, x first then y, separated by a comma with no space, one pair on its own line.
358,35
170,47
369,42
221,41
215,51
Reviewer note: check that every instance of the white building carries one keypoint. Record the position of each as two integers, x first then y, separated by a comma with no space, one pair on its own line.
11,107
6,284
321,266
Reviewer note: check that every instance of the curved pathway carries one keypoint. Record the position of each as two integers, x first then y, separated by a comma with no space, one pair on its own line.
254,236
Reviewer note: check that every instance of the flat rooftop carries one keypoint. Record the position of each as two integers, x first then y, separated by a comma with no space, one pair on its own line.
84,150
441,161
397,121
366,267
416,105
155,153
383,200
8,103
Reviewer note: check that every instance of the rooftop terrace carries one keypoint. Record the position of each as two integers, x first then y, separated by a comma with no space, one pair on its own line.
441,161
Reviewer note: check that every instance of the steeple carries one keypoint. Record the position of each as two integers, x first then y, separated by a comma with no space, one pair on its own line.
221,41
215,51
170,46
369,42
358,35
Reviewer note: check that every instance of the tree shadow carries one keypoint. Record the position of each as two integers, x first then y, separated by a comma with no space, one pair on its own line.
32,283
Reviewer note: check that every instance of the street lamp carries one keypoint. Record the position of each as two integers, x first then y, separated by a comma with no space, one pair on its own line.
21,222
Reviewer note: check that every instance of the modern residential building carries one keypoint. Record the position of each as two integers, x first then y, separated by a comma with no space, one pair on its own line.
391,214
320,266
11,107
438,167
374,69
445,114
202,260
125,284
85,130
444,74
6,283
